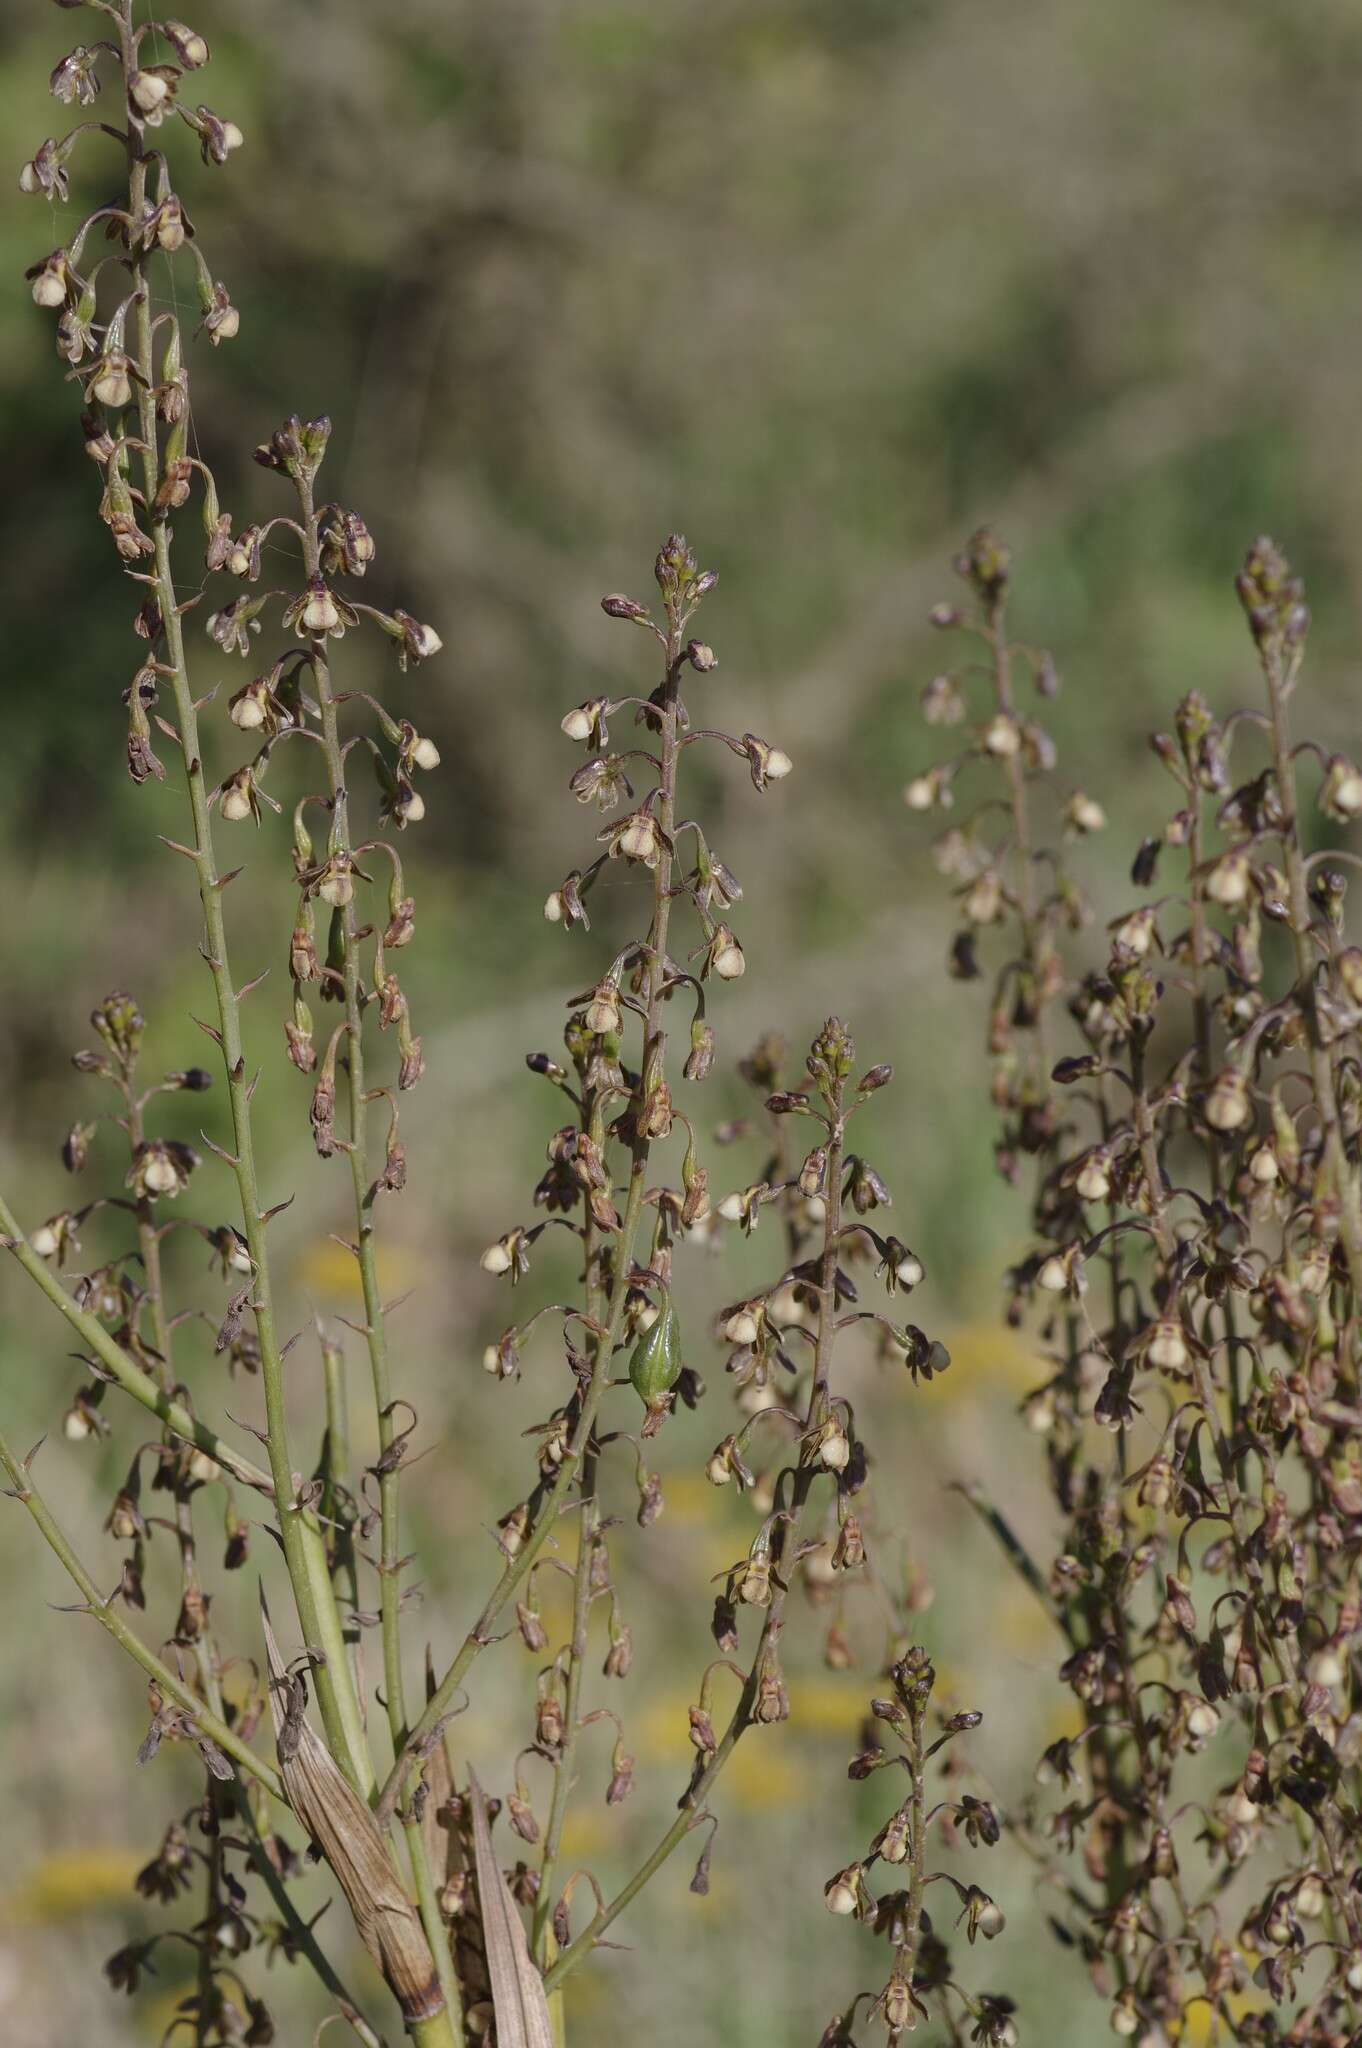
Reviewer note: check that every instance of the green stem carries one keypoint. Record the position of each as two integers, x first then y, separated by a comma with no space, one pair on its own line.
337,1504
917,1845
364,1189
437,1931
572,1706
301,1935
622,1260
110,1620
691,1812
1345,1185
541,1933
1201,1020
375,1326
437,2032
125,1370
1029,919
149,1244
300,1531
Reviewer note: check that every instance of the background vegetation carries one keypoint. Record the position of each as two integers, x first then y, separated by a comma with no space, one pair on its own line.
825,286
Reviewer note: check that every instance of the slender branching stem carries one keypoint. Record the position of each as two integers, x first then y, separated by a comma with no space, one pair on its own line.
622,1257
1279,675
744,1715
303,1545
20,1472
125,1371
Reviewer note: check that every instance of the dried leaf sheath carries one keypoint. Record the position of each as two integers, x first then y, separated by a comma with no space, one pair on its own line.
345,1832
522,2010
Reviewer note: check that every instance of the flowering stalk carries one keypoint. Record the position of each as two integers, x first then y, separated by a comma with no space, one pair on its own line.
303,1547
921,1967
807,1290
439,1923
769,1577
138,359
366,1185
1229,1182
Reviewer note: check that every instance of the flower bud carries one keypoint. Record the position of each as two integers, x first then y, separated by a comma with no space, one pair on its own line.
702,1731
767,763
47,1240
700,1060
983,900
418,642
637,838
603,1009
724,955
983,1915
1002,736
1040,1411
77,1423
1124,2020
579,723
1135,934
1328,1666
719,1470
319,613
512,1530
743,1326
941,701
236,798
46,170
909,1270
618,607
621,1777
832,1446
1263,1166
1167,1347
1340,794
1227,1101
111,383
1084,814
1229,880
188,45
50,280
151,91
620,1656
217,138
161,1166
842,1893
924,792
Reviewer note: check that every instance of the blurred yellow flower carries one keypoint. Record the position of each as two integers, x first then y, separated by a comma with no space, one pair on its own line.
75,1881
329,1272
690,1499
586,1832
1197,2030
828,1706
762,1774
988,1352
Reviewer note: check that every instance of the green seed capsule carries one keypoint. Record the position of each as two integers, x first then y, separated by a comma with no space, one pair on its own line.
655,1366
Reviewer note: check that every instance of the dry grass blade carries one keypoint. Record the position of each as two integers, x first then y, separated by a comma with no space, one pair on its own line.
522,2010
344,1830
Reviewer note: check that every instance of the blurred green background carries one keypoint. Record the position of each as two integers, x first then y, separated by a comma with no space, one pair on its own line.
825,286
